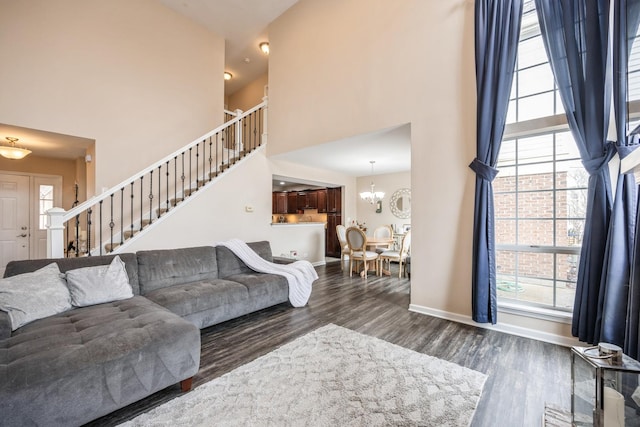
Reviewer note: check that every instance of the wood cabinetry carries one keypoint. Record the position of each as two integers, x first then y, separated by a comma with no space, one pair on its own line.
292,202
334,200
279,203
307,200
332,245
322,200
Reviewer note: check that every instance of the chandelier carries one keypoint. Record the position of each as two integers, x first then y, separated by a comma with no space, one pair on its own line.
372,196
11,151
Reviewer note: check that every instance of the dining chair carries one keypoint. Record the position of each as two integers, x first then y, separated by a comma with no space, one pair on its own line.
341,232
399,256
383,232
357,241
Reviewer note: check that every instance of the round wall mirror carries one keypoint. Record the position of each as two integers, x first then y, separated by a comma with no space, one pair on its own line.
401,203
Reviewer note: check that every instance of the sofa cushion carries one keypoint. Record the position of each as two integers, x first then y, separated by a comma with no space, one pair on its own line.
190,298
31,296
229,264
99,284
65,264
271,288
79,365
161,268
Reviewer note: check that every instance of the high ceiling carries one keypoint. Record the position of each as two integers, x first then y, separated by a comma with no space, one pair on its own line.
243,24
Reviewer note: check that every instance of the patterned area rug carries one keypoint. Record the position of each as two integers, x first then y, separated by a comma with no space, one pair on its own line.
329,377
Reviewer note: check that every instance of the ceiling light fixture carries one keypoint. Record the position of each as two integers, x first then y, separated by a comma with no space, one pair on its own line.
228,75
11,151
264,47
372,196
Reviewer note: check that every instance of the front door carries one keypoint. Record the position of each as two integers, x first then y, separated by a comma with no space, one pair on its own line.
14,218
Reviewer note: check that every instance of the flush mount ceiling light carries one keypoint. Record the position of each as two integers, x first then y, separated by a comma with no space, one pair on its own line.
228,75
11,151
264,47
372,196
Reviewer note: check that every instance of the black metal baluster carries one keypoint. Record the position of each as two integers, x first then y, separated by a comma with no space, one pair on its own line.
100,228
159,190
246,141
77,236
89,212
197,164
255,132
131,191
167,189
111,223
204,161
190,168
175,180
182,177
222,153
151,197
261,128
122,215
141,202
217,148
210,159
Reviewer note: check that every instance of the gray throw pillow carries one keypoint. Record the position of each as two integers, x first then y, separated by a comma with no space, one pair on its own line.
100,284
36,295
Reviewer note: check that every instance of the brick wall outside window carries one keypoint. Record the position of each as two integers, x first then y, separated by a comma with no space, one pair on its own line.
534,208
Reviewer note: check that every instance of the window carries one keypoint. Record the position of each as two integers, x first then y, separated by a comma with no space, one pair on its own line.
46,202
540,192
540,200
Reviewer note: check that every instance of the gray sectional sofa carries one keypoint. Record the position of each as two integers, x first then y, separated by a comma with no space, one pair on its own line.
76,366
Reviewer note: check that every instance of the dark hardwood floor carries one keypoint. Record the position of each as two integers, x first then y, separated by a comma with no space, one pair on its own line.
523,374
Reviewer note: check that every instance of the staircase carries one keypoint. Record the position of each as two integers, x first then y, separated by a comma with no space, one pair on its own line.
111,221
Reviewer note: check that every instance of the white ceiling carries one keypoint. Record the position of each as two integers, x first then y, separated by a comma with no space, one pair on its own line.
243,24
46,144
389,148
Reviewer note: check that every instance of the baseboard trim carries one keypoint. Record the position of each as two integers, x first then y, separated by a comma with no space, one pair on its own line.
500,327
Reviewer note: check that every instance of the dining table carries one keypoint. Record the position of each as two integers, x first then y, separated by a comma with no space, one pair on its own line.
373,243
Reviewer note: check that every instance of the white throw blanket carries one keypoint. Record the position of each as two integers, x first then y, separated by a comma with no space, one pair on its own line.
300,274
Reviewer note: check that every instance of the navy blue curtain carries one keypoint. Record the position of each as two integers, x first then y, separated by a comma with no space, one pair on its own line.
497,30
627,20
611,322
575,34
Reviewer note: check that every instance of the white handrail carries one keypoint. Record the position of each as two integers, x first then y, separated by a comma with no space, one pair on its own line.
96,199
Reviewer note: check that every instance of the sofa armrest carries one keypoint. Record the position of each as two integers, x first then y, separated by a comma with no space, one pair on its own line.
5,325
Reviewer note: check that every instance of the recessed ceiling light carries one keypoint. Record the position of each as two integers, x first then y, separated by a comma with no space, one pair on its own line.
228,75
282,183
264,47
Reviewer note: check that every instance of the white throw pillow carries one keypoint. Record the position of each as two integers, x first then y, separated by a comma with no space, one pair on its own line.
36,295
100,284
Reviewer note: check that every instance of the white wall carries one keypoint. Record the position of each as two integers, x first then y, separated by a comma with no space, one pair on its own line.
219,213
339,68
138,78
387,183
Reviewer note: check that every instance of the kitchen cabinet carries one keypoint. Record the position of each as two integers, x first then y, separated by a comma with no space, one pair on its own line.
322,200
334,200
307,200
279,203
332,245
292,202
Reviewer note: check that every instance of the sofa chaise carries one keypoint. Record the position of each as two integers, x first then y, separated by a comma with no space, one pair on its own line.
73,367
